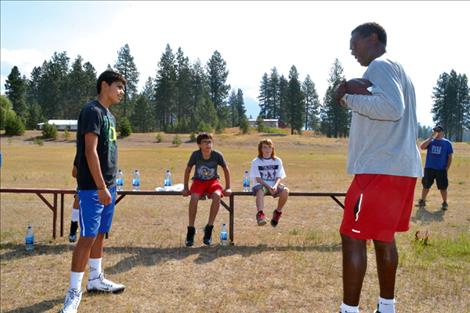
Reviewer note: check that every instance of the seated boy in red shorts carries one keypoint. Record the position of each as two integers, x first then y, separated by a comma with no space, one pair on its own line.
205,182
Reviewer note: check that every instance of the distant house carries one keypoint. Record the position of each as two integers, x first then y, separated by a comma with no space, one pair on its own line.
60,124
269,122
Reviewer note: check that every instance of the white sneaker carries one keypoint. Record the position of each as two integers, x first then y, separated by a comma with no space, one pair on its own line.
72,300
102,284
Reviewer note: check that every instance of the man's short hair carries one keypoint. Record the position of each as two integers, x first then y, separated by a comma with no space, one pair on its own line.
109,77
367,29
203,136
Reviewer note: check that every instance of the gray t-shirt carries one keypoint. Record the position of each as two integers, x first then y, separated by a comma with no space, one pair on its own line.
384,127
206,169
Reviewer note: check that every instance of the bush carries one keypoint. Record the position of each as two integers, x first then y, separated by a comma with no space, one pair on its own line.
66,134
38,141
158,138
244,126
260,124
14,126
192,137
125,128
204,127
177,140
49,131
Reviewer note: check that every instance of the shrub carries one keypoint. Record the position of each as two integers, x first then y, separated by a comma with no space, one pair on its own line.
158,138
14,126
244,126
66,134
260,124
177,140
204,127
49,131
38,141
192,137
125,128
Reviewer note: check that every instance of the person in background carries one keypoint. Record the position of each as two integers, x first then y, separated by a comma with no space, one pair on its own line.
438,161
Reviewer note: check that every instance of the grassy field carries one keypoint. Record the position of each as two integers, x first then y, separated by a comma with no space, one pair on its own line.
295,267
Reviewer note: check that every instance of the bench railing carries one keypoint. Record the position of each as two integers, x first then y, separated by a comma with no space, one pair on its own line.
230,207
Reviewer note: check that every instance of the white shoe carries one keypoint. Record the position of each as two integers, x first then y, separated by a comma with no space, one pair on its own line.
72,301
102,284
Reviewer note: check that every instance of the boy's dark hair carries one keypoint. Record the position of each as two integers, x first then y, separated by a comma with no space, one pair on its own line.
109,77
367,29
202,136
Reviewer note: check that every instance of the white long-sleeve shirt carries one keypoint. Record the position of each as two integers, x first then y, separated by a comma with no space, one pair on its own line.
382,138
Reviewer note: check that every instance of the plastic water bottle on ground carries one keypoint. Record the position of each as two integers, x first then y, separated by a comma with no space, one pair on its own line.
120,180
246,182
136,181
167,181
29,239
223,235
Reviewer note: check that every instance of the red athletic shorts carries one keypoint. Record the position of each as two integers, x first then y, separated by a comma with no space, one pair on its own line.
378,206
203,187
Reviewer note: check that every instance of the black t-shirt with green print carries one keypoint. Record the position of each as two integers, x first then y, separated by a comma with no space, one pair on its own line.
96,119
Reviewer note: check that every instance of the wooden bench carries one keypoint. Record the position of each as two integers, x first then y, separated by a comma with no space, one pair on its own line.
54,206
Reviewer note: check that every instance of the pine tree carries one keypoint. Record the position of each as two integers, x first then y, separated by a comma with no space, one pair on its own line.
312,104
335,119
142,119
15,89
451,104
184,91
52,86
263,97
241,111
165,90
125,65
217,74
273,94
296,105
283,101
232,104
81,86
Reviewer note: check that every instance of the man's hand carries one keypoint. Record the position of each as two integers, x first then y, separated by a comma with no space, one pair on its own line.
227,192
104,197
340,91
185,192
74,171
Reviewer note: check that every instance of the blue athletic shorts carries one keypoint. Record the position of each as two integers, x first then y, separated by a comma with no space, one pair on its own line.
94,217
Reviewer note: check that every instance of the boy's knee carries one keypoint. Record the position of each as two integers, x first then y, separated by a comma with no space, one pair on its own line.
216,196
286,191
195,197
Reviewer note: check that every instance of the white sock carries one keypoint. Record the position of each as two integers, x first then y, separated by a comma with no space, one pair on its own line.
349,309
76,280
75,214
95,267
386,305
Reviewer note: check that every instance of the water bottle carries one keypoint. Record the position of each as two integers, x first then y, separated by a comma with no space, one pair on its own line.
136,181
29,239
167,181
223,235
120,180
246,182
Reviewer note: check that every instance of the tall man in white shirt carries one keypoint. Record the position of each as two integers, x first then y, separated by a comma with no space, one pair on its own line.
385,161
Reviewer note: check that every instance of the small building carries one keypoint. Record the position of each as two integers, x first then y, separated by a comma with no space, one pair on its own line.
60,124
269,122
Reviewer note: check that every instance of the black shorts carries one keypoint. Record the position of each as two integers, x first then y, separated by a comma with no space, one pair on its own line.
439,175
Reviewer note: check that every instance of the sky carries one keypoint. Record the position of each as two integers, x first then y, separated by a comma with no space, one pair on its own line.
427,37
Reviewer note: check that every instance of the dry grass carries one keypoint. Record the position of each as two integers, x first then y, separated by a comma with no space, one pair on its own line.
293,268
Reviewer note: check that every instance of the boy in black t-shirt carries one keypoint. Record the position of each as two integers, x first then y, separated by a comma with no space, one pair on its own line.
205,182
96,161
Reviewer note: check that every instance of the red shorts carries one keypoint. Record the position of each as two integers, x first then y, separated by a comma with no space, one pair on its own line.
378,206
208,187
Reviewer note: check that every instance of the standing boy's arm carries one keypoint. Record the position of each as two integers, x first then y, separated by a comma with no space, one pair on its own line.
227,191
91,143
187,172
449,161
